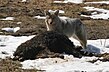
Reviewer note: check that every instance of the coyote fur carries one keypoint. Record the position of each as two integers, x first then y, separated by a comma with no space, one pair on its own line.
70,27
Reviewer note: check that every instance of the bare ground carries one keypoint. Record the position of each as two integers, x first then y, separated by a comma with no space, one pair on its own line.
8,65
24,13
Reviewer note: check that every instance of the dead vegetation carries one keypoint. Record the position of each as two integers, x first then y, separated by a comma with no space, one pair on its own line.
24,12
101,57
8,65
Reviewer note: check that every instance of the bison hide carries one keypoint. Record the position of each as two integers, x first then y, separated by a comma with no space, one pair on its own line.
47,44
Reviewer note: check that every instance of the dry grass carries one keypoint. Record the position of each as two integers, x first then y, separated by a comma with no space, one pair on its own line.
24,13
7,65
97,29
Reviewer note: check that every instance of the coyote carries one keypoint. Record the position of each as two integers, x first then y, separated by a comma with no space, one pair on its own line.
70,27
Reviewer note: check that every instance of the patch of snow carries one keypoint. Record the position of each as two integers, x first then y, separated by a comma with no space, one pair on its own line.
8,18
9,44
8,29
39,17
70,1
60,11
60,65
38,62
103,15
97,9
95,46
19,22
94,13
74,1
58,1
24,0
99,2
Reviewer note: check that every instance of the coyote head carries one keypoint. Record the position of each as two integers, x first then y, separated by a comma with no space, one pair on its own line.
52,20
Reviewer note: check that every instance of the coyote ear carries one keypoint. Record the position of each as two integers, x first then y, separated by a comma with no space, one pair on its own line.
57,13
47,13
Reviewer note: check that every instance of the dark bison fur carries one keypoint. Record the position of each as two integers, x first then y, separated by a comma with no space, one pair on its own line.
47,44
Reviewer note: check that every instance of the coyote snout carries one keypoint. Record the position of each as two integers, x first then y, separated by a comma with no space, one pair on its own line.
70,27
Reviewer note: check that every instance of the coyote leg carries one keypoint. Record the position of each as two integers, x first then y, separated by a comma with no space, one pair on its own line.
80,35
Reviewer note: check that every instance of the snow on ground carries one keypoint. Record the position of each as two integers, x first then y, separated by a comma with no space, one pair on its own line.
73,1
8,29
103,15
99,2
95,46
81,1
19,22
39,17
74,65
8,45
8,18
24,0
60,11
69,1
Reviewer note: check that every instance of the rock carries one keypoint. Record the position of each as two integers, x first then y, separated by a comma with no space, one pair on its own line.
46,44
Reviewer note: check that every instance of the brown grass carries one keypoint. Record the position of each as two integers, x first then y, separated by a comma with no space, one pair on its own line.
7,65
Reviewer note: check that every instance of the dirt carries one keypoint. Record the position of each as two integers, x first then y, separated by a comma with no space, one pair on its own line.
8,65
101,57
24,13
